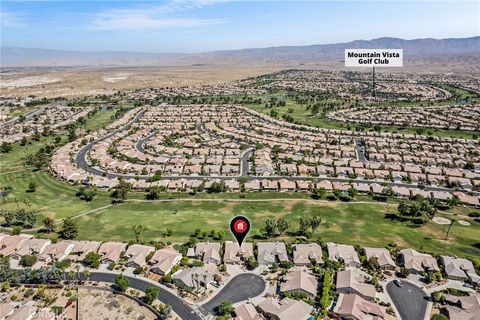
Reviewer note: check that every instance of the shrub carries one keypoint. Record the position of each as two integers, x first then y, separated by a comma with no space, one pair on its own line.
64,264
151,294
28,261
225,308
121,283
167,278
92,259
325,299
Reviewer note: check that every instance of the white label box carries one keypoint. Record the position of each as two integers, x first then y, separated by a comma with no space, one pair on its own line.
374,58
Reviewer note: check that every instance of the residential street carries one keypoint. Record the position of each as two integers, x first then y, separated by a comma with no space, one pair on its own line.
241,287
410,301
180,307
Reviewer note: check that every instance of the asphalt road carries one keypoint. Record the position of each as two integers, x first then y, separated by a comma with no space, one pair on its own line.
81,157
28,116
410,301
244,163
240,288
180,307
360,150
140,144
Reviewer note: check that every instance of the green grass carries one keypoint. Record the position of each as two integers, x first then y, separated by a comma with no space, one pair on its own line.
17,111
359,223
52,198
100,119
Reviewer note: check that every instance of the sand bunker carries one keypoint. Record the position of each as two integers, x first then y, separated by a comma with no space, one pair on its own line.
463,222
27,81
439,220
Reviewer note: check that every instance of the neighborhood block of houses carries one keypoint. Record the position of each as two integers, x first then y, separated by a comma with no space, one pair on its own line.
196,147
297,285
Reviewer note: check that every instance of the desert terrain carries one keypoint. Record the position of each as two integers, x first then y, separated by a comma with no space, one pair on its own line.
78,82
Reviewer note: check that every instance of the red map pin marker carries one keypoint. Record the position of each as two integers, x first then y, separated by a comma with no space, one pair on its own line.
239,226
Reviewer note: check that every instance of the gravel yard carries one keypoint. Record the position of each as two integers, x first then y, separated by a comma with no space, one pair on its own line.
104,305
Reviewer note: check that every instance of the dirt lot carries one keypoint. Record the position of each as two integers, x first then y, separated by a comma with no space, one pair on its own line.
103,305
79,82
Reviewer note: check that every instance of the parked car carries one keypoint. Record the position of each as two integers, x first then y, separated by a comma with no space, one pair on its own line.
398,283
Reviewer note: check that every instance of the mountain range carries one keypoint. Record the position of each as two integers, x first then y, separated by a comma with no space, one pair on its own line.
452,49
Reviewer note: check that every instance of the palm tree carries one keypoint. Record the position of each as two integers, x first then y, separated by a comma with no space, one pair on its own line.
72,275
86,274
138,231
205,281
77,272
449,227
197,284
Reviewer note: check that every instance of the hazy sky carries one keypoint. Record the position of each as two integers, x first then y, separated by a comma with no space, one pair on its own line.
205,25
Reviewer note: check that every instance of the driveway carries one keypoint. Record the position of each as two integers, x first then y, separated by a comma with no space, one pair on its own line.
180,307
240,288
410,301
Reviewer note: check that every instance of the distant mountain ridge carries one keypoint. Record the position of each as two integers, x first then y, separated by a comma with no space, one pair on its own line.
416,47
413,49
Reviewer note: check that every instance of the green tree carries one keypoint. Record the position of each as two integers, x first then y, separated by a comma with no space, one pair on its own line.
27,260
318,193
217,187
121,283
32,187
315,222
449,227
165,310
121,191
16,230
303,225
6,272
151,293
48,224
29,219
153,193
69,229
87,193
469,165
325,298
138,232
282,226
251,263
372,263
6,147
437,296
24,141
225,308
8,216
275,228
92,259
271,227
352,192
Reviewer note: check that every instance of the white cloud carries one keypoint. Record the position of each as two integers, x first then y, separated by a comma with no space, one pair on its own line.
154,17
11,19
